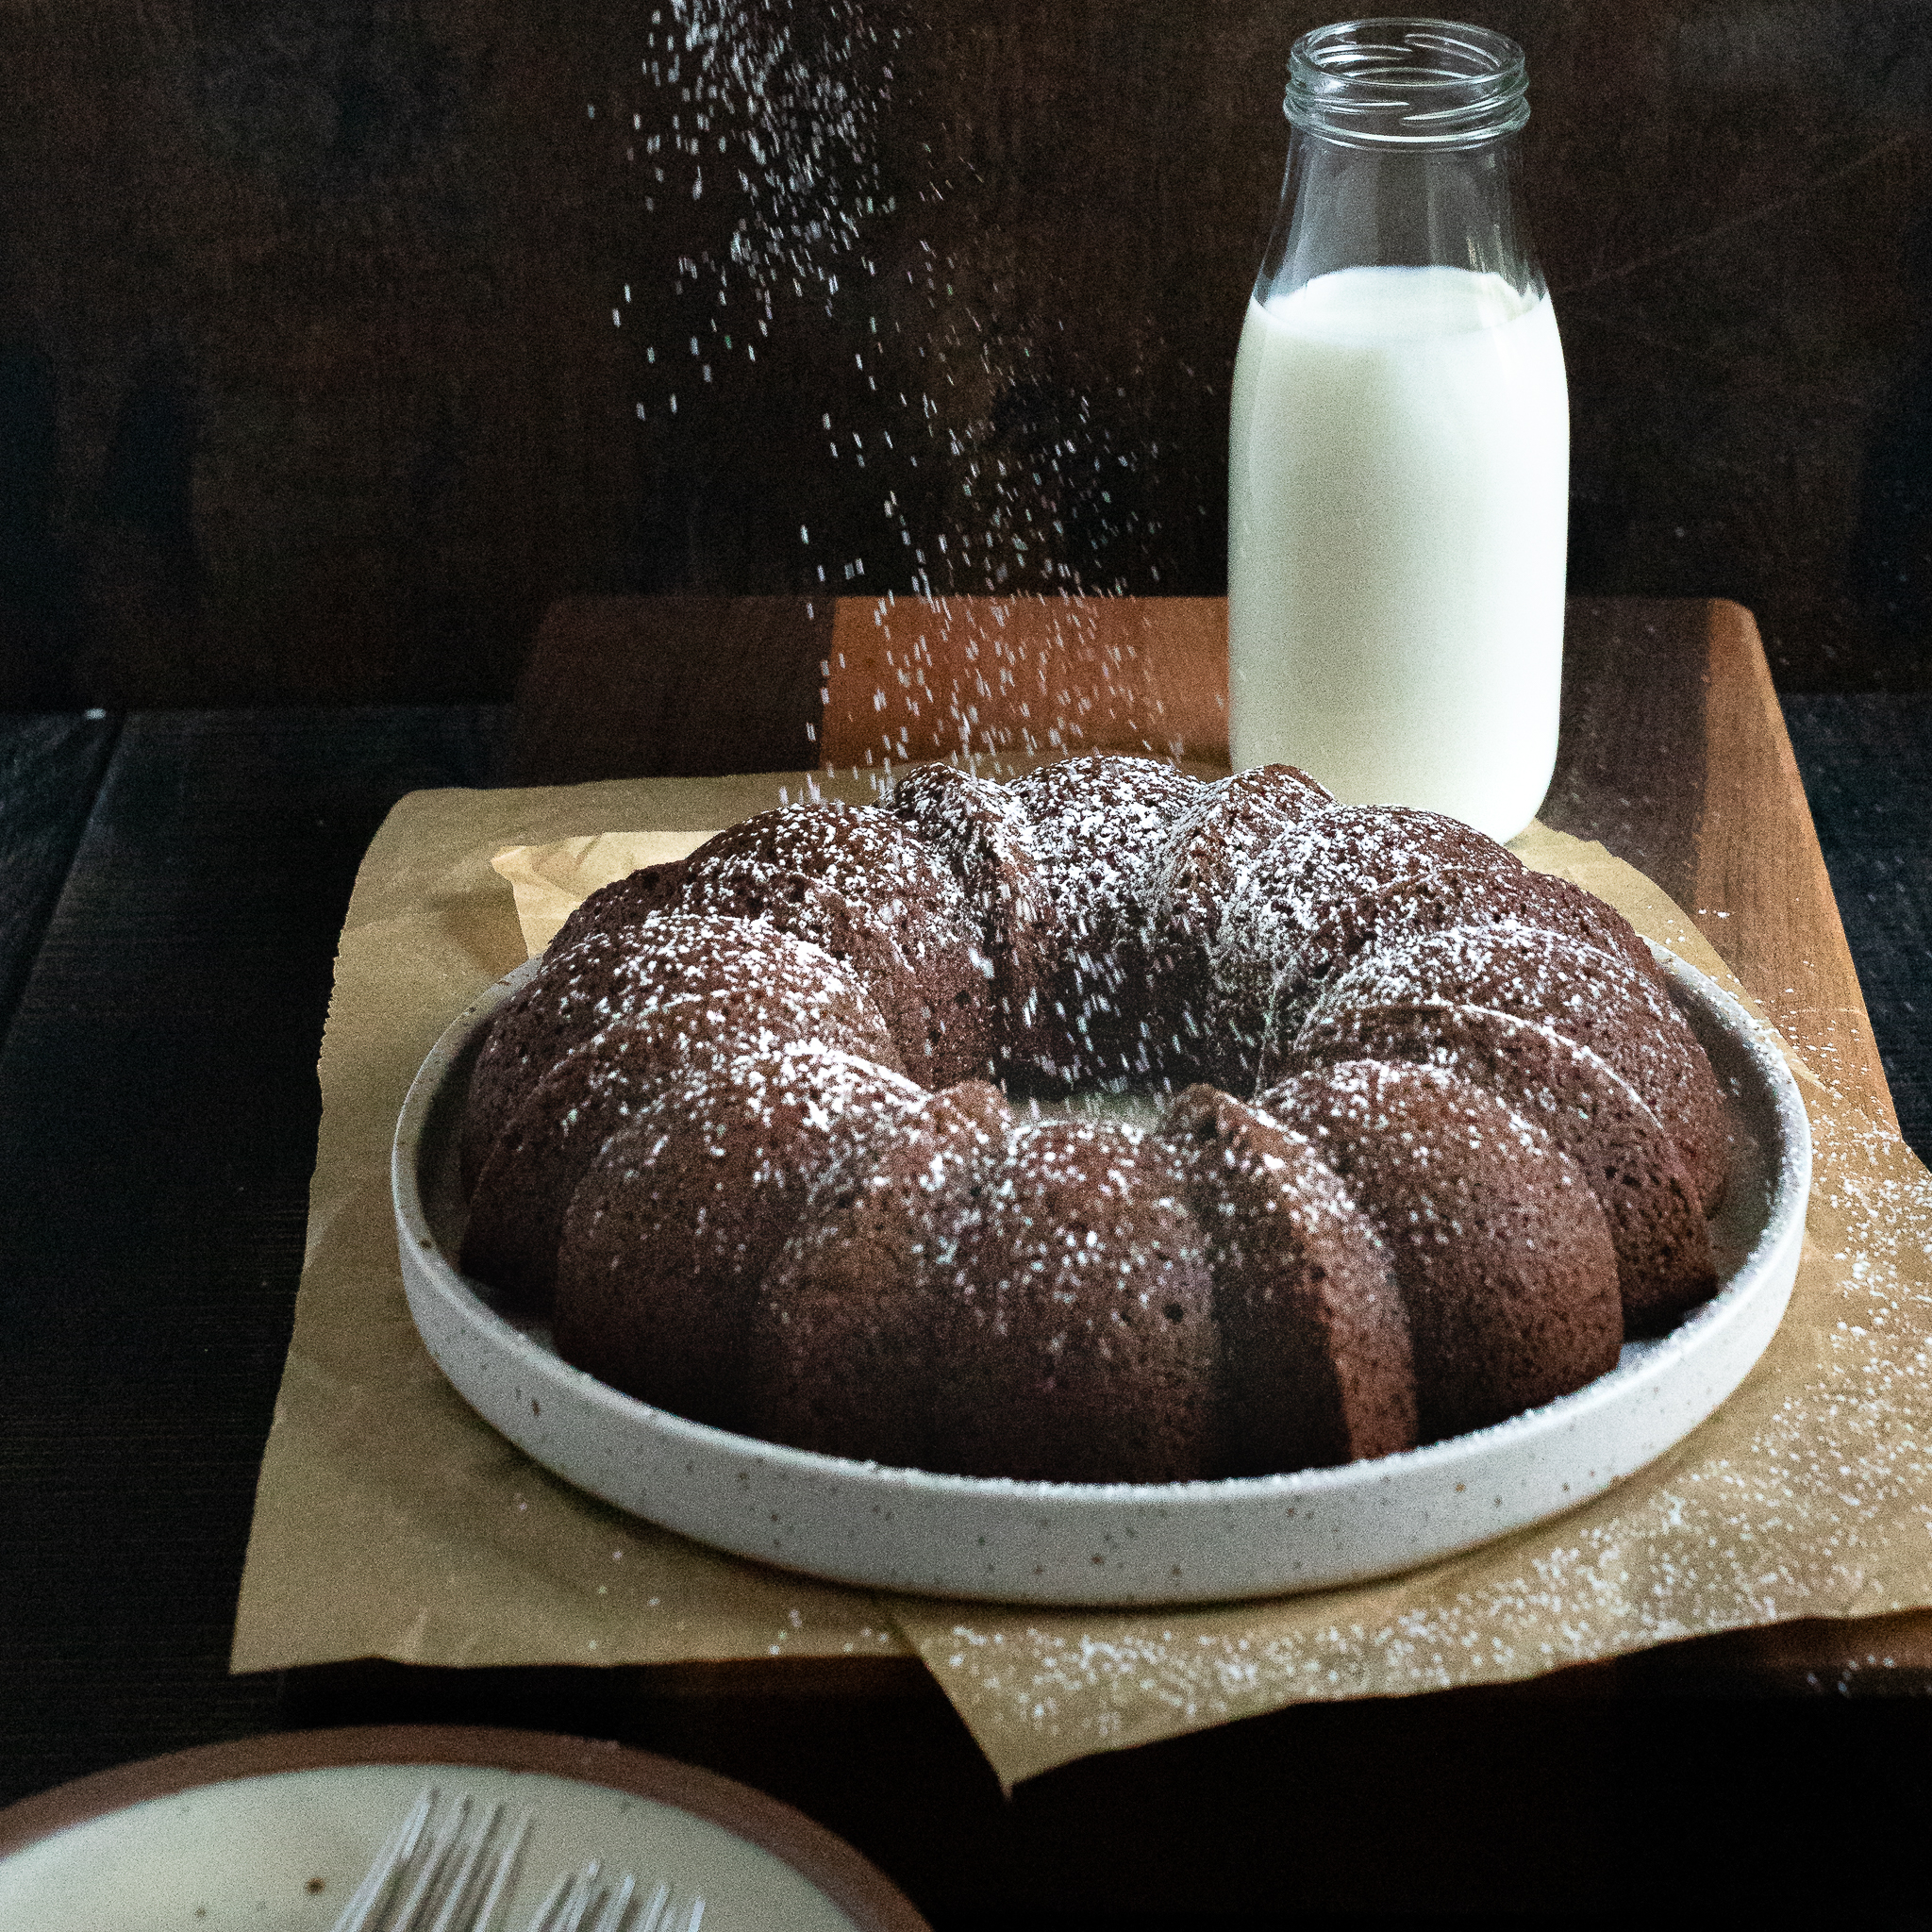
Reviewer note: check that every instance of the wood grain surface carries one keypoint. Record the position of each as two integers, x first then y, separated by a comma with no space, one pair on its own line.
50,769
1867,763
158,1109
697,684
336,342
912,677
158,1118
1674,755
1673,751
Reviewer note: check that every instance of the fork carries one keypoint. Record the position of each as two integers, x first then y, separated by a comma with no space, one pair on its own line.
421,1872
451,1879
574,1893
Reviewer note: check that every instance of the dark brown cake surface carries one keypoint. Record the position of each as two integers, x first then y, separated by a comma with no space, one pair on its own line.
1264,956
1434,901
984,834
1314,1335
1099,826
1589,1110
1581,993
866,944
1207,854
672,1228
1211,850
843,1354
1506,1271
866,854
563,1003
890,881
606,977
795,993
1080,1337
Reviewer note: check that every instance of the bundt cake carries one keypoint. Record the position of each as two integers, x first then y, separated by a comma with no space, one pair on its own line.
1104,1125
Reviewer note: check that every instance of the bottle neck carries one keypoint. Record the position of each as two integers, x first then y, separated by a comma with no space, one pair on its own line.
1347,205
1403,154
1406,83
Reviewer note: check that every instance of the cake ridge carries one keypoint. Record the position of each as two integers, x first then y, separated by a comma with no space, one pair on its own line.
1406,1095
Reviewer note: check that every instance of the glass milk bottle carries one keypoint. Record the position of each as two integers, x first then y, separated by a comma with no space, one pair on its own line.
1400,447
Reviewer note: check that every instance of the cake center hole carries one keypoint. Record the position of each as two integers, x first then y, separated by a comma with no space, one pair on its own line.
1133,1106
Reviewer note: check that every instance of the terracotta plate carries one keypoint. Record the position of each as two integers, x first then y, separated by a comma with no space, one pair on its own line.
274,1833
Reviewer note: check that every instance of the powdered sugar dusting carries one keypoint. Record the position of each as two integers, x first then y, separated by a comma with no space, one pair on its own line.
1100,826
749,1120
785,255
1824,1489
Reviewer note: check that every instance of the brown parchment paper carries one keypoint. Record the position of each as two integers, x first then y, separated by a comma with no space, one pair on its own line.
391,1522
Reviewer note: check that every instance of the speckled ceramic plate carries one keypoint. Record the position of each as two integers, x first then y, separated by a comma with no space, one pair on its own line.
274,1833
1116,1544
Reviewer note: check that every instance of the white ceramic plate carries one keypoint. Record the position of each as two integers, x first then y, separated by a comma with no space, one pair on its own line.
275,1834
1116,1544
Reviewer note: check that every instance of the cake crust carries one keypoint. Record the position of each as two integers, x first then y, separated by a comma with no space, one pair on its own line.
1312,1325
1504,1263
1588,1108
1442,1134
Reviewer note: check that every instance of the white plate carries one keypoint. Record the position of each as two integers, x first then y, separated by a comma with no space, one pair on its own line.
1115,1544
275,1834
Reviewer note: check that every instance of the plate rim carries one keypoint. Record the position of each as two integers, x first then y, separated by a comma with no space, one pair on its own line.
1734,1304
849,1879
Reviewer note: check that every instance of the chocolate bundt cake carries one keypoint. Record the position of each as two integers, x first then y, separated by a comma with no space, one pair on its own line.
1497,1243
789,1136
675,1221
1318,1364
843,1323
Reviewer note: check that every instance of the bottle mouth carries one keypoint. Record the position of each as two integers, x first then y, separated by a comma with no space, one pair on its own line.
1406,84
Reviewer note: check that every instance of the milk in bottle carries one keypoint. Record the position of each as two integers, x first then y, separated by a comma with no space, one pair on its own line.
1399,447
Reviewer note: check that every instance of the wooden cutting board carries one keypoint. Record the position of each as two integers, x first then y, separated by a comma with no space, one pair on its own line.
1673,751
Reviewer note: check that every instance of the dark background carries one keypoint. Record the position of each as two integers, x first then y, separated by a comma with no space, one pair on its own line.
310,390
310,395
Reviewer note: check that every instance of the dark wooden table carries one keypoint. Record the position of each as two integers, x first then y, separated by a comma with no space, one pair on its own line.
175,885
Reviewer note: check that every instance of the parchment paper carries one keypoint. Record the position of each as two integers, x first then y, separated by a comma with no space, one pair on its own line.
391,1522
